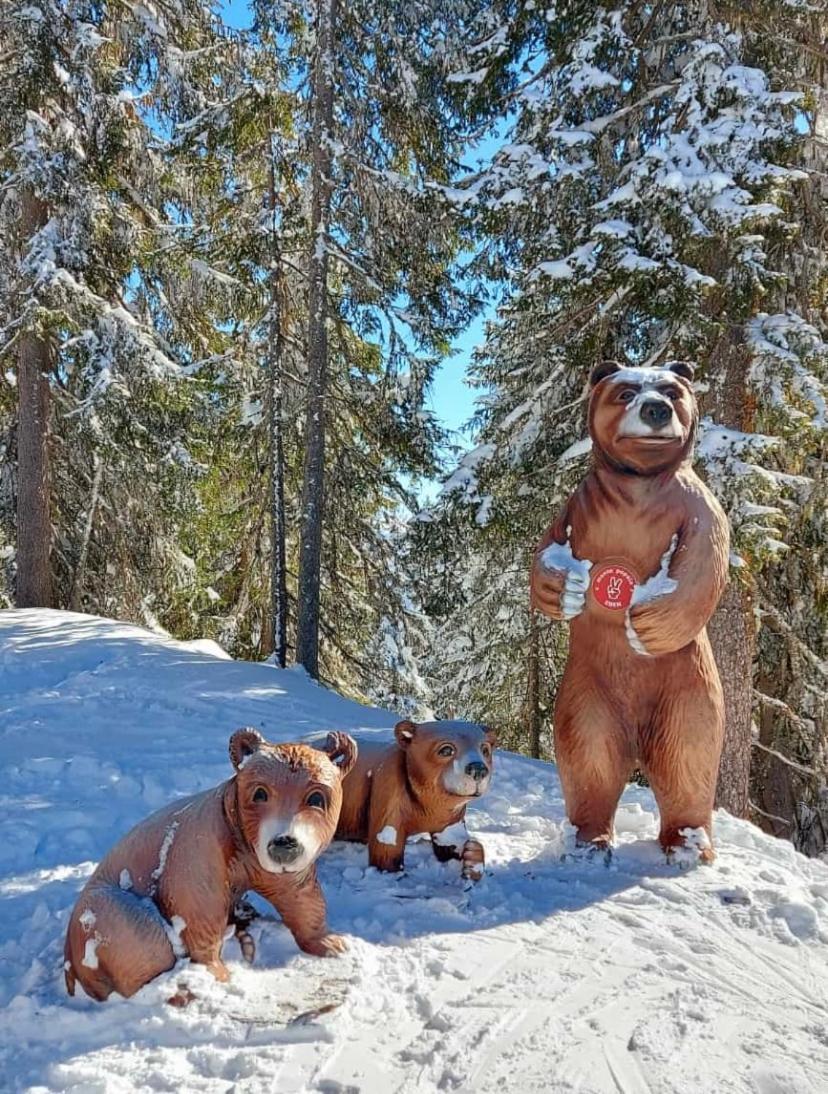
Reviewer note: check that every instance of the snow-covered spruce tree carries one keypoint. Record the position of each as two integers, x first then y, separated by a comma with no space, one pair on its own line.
645,208
97,470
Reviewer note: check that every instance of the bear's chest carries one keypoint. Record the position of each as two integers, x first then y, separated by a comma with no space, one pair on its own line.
625,549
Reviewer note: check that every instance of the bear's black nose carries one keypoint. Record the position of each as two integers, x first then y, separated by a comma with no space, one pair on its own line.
284,849
655,412
477,770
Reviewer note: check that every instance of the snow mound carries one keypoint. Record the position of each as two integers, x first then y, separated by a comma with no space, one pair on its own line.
549,976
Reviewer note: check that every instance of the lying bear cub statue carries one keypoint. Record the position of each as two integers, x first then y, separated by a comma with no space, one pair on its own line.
419,784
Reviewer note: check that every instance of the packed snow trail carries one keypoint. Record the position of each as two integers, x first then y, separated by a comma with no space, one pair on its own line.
547,976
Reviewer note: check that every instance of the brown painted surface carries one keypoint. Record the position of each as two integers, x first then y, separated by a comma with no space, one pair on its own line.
418,784
618,710
181,871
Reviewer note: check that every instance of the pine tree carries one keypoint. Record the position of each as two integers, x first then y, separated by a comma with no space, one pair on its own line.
97,416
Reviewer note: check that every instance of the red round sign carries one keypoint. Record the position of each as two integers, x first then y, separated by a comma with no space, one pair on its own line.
612,586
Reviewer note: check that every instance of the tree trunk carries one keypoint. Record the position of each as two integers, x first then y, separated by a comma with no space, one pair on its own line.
278,551
34,525
313,486
733,636
80,570
732,630
533,688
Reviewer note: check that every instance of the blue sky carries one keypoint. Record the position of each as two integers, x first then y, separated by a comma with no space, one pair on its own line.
451,399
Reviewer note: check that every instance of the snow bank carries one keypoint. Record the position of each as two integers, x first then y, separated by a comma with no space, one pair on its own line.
548,976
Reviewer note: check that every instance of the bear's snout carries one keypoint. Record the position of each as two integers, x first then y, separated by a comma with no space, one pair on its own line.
284,850
477,771
655,412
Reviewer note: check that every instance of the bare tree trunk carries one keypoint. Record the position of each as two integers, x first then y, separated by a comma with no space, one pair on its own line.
732,633
80,569
732,629
278,551
533,688
34,525
313,487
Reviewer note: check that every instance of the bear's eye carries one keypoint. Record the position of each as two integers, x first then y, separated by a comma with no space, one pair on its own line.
446,750
671,393
316,800
486,750
627,395
260,794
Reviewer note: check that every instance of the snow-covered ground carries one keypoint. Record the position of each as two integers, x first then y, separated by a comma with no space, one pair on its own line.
548,976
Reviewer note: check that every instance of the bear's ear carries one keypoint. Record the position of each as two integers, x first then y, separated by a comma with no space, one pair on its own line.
602,371
244,743
342,751
491,736
404,732
683,369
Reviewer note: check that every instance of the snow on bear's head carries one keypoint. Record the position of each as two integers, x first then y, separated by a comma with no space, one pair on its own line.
642,420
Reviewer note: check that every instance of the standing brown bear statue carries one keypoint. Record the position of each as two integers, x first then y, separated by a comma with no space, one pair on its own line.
636,563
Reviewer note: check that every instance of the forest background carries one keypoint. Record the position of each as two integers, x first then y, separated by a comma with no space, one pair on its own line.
258,263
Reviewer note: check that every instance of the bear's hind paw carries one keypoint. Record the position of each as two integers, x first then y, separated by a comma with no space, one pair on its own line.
599,850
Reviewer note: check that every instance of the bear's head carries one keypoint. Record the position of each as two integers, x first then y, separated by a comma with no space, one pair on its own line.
642,420
447,759
287,797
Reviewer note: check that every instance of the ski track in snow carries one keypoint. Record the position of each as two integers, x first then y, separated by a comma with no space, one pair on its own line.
547,976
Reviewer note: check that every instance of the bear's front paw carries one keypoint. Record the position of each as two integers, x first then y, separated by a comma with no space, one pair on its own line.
573,597
182,998
559,594
328,945
547,590
560,581
473,860
220,971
